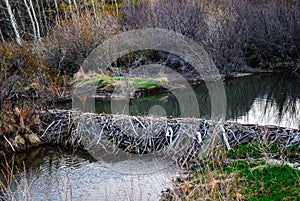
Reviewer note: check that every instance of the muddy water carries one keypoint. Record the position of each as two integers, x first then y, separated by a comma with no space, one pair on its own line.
56,174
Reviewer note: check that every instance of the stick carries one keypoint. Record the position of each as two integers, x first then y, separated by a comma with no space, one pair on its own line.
9,143
225,139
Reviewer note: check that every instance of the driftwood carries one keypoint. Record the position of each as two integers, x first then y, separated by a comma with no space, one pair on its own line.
155,134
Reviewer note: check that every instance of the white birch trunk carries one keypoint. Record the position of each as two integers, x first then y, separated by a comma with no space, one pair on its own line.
94,9
56,8
31,19
70,6
45,18
13,22
39,13
103,5
36,22
1,35
117,9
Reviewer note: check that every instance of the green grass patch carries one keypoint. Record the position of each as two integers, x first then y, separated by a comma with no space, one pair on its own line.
103,81
141,83
246,150
254,180
255,150
271,182
246,175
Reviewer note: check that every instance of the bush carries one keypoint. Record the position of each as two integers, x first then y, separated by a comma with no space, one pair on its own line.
269,30
73,39
23,69
235,33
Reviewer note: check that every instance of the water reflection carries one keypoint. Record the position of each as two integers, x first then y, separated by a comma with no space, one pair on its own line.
266,98
53,173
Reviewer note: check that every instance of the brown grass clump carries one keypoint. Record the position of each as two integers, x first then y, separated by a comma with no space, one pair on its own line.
208,180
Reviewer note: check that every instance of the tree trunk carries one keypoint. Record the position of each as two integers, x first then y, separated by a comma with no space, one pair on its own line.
76,7
36,22
31,19
13,22
94,8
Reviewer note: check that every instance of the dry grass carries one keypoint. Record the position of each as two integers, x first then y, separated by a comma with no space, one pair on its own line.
13,177
219,177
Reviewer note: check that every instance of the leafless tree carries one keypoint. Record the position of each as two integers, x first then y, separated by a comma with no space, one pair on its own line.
13,22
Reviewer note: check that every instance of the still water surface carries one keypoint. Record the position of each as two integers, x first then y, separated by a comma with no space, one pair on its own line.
54,174
266,99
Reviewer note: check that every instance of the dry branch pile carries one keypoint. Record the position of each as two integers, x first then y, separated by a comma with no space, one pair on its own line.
181,137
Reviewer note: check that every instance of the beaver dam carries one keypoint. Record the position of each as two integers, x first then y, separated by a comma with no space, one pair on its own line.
78,155
152,140
142,135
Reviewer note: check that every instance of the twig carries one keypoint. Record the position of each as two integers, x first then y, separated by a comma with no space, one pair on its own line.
47,129
9,143
140,122
225,139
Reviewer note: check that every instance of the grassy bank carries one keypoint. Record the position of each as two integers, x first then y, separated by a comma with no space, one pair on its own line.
248,172
107,81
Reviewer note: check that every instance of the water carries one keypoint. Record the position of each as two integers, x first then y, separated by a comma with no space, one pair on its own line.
55,174
265,98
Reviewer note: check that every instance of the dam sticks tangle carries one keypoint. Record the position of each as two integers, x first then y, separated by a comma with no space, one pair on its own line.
183,138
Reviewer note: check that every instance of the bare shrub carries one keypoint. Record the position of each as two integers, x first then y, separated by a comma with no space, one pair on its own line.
204,22
235,33
72,40
271,30
185,17
22,69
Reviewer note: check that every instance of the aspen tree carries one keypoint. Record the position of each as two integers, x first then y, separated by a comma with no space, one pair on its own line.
31,19
13,22
36,21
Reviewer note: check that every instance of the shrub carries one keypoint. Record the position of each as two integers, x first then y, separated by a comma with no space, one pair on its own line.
22,68
235,33
73,39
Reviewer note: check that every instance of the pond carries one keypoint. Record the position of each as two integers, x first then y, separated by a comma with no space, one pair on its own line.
56,174
52,173
265,98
